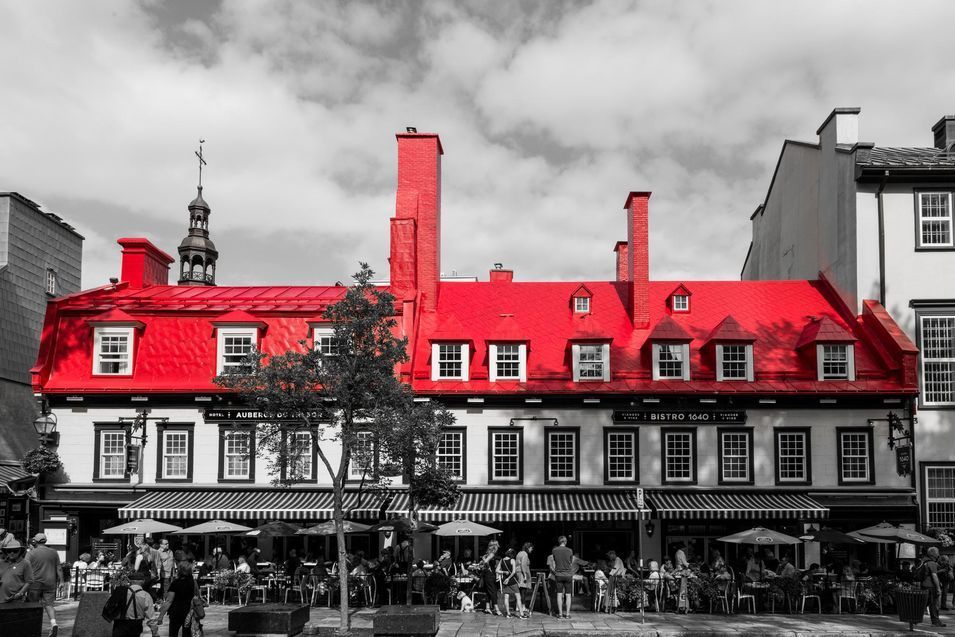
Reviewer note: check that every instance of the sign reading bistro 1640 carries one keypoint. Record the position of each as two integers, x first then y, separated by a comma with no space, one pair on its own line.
669,417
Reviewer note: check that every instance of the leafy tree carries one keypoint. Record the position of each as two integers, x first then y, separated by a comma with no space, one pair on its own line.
350,387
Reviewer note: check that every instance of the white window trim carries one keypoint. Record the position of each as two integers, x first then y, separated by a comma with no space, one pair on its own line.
51,281
923,360
850,361
519,457
248,456
604,358
318,333
521,362
165,454
922,219
681,310
930,500
666,456
656,361
356,472
102,459
308,456
465,361
805,457
575,461
750,372
461,456
634,441
222,332
747,437
587,302
98,334
868,452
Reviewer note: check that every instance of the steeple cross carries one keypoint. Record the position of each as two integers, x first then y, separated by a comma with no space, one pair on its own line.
202,162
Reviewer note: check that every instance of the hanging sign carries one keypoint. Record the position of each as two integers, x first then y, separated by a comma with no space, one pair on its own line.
132,458
240,414
903,460
669,417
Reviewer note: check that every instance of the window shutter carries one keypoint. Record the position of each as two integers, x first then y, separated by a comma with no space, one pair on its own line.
435,349
719,362
605,356
465,362
522,362
492,362
575,362
750,364
686,361
656,361
851,361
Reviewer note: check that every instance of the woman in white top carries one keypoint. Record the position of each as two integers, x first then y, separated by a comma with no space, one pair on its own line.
243,566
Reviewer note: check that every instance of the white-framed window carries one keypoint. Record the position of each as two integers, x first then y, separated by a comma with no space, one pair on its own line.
940,496
854,456
582,304
301,445
621,454
508,361
937,346
175,454
735,456
234,344
113,351
506,463
323,340
51,282
450,453
562,455
679,456
450,361
591,362
836,361
680,303
112,459
792,459
237,455
362,464
671,360
935,220
734,361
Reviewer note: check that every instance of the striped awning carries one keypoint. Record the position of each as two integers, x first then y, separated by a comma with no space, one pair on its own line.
534,506
250,505
675,505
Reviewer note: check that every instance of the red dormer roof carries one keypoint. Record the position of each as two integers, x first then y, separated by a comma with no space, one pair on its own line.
586,328
507,330
115,317
238,318
680,290
729,329
582,291
667,329
823,330
450,329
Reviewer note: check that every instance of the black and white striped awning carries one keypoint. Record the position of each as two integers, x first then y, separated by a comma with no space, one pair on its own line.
529,506
675,505
250,505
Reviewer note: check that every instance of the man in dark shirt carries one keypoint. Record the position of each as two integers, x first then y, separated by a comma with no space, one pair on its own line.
46,577
292,563
563,575
929,570
17,574
178,600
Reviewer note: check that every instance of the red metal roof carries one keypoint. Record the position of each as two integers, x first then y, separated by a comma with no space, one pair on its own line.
823,330
668,330
729,329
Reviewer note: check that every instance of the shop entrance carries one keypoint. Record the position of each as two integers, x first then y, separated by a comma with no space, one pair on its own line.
593,545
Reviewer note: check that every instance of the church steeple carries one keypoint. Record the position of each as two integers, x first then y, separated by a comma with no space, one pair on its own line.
197,252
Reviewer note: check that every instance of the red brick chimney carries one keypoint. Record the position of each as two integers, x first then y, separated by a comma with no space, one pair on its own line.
416,226
143,263
623,264
638,270
500,275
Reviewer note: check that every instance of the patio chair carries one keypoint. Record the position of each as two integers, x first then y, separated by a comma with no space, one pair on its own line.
723,597
600,594
847,592
297,587
745,597
417,588
653,590
808,592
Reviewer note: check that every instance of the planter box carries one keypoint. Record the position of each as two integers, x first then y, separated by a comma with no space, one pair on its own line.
89,620
407,620
23,619
264,620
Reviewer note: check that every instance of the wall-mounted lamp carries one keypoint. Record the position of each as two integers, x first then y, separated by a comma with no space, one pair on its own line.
649,527
45,426
897,430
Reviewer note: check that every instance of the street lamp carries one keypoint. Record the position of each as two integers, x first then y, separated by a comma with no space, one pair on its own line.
45,425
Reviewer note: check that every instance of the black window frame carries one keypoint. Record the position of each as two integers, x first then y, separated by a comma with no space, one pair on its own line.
286,432
376,461
944,309
871,454
234,428
490,455
161,430
547,434
693,448
98,429
751,453
807,437
924,465
633,431
463,431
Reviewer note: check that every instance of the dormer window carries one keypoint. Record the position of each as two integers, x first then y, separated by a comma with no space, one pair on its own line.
591,362
324,341
671,361
449,361
113,348
507,361
234,346
582,304
835,361
681,303
734,361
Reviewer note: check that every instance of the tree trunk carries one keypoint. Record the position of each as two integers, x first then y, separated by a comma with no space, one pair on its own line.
412,516
345,623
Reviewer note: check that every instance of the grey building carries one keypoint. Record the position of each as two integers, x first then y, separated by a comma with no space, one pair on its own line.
39,259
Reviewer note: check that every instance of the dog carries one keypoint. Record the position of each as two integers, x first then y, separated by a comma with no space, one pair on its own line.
467,606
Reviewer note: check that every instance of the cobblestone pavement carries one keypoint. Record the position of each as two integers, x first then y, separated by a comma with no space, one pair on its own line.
456,624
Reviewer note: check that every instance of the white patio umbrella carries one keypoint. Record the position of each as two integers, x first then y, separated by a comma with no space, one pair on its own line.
142,527
760,536
214,527
465,527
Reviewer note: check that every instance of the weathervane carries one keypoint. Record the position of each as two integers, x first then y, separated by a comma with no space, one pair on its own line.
202,162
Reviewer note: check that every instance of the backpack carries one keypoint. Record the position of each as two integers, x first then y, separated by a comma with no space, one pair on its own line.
920,573
115,607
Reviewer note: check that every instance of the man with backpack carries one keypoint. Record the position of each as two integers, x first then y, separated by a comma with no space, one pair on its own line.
128,606
928,574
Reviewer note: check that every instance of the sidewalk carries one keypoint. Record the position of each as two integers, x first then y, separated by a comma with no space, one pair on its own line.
456,624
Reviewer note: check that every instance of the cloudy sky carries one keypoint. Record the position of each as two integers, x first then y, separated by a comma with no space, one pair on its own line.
549,112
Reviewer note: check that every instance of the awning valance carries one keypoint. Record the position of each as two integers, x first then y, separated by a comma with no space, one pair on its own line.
250,505
676,505
534,506
855,501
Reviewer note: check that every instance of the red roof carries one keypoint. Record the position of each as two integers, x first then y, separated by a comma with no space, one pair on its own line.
114,316
668,330
729,329
823,330
237,317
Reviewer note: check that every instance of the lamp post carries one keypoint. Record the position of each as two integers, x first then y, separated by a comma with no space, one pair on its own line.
45,426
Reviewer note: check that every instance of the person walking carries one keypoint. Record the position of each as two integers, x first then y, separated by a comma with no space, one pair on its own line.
524,582
47,575
489,578
166,565
17,574
944,580
507,572
179,600
563,576
929,571
138,608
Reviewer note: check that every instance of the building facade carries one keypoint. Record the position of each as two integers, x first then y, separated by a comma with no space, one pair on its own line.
39,259
629,414
876,222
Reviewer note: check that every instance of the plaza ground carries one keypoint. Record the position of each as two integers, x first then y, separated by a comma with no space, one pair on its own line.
456,624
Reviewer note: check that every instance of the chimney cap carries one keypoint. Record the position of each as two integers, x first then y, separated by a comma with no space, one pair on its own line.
618,245
498,266
411,129
941,122
640,194
843,110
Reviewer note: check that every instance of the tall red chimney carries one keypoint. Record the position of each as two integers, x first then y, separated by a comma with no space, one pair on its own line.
623,262
638,238
143,263
418,199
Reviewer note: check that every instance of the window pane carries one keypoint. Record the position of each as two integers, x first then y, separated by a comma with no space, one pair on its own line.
792,456
735,450
855,456
938,359
112,454
621,455
451,452
678,448
301,464
681,302
581,304
237,455
734,362
505,447
326,343
561,453
235,349
835,361
940,496
175,454
508,361
450,361
671,361
113,353
935,219
362,456
591,361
